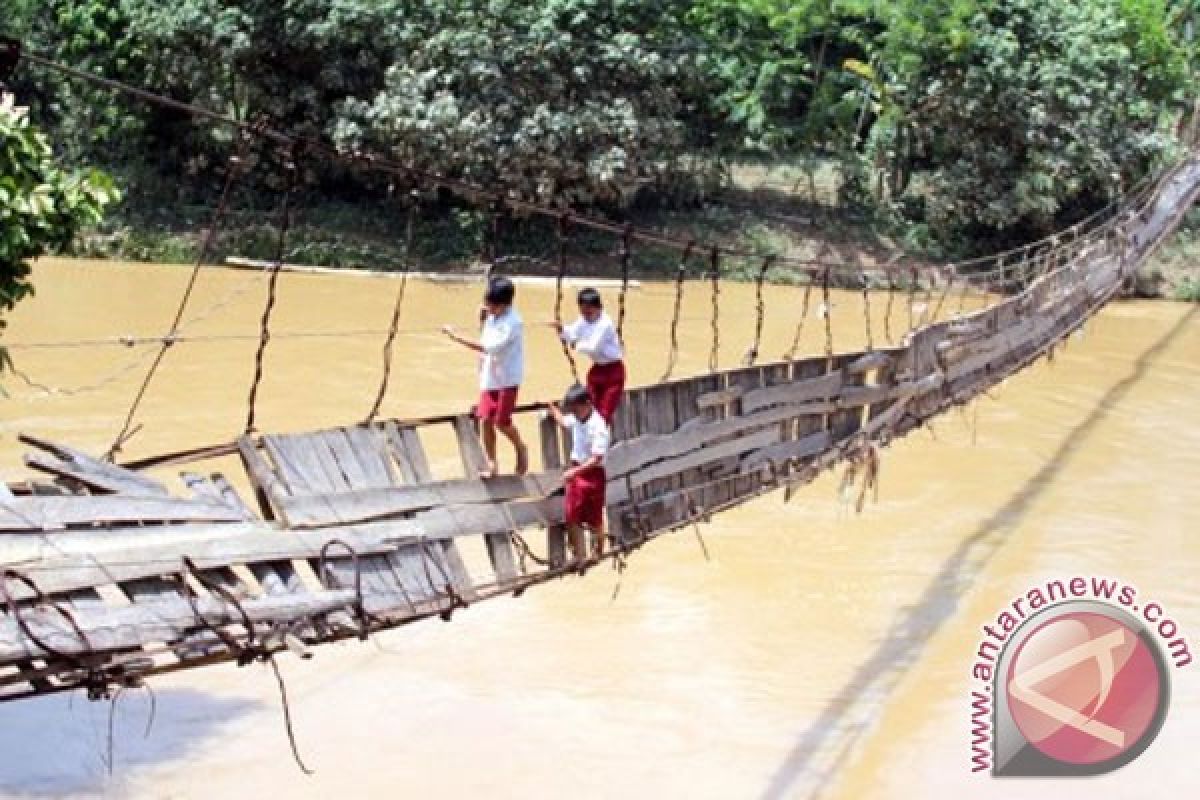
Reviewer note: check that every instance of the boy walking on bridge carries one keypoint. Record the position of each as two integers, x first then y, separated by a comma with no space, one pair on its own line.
585,478
594,335
501,370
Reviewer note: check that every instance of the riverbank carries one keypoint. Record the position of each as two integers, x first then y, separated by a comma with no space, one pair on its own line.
781,211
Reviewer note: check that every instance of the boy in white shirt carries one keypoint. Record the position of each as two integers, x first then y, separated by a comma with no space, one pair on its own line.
585,479
501,370
594,335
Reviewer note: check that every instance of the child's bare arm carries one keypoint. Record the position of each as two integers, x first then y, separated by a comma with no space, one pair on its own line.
554,411
465,342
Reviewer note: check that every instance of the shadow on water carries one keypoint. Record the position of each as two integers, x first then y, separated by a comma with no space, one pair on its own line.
57,745
850,711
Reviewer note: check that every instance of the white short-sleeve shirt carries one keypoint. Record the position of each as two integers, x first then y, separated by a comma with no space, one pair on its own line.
597,340
589,437
502,340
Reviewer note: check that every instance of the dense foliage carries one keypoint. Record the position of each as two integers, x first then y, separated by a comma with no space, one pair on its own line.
963,121
42,206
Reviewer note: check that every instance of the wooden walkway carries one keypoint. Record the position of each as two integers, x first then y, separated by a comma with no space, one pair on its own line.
108,578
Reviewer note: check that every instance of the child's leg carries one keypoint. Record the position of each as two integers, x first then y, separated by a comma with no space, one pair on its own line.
598,537
513,435
487,433
578,542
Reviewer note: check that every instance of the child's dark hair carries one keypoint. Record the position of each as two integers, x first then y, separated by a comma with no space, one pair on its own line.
576,394
500,291
590,297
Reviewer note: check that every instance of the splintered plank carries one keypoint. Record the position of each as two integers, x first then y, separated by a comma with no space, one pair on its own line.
216,489
259,545
368,446
373,504
802,391
171,620
470,449
39,512
342,453
76,465
290,466
409,453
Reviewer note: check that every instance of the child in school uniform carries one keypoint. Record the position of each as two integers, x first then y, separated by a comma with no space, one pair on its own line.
501,370
594,335
585,478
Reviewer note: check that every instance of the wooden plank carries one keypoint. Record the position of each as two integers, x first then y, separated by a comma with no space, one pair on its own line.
289,472
363,505
801,391
341,449
267,487
257,545
40,512
92,472
705,455
474,460
372,455
170,620
633,454
277,577
805,447
216,489
322,470
406,449
500,552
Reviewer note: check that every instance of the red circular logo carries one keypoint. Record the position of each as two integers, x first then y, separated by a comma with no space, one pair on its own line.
1084,688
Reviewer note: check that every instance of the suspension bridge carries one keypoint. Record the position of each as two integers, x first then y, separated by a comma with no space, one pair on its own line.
109,578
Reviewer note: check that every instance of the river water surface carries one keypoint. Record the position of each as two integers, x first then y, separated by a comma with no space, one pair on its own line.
819,653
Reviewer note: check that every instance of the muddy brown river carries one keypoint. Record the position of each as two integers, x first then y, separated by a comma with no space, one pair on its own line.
818,653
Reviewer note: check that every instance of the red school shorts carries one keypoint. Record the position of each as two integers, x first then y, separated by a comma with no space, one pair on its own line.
496,405
585,498
606,385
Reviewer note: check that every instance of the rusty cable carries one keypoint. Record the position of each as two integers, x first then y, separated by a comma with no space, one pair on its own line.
714,275
626,254
564,222
264,335
673,353
237,161
394,328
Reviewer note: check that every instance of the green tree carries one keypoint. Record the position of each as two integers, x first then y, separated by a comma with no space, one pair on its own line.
42,206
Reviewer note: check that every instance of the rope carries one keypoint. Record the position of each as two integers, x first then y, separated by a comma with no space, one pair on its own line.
235,170
714,274
887,313
626,254
673,354
394,328
563,222
790,355
866,292
827,312
912,299
264,335
760,311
